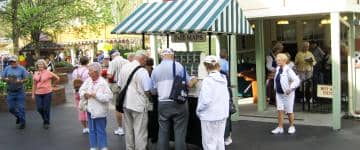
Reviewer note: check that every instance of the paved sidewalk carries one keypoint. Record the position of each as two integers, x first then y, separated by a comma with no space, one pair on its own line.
65,133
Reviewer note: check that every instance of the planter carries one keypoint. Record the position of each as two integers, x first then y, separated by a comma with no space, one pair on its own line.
63,78
58,98
64,69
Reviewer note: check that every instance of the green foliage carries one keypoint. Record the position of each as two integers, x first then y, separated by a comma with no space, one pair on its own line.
28,85
36,16
62,64
3,86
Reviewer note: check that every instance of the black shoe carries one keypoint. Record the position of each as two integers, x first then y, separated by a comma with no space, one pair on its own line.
21,126
17,120
46,126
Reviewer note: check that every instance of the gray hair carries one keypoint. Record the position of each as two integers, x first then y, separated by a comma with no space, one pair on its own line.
130,55
140,53
95,66
41,61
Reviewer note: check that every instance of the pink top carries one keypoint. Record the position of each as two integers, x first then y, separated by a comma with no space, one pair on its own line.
82,72
42,80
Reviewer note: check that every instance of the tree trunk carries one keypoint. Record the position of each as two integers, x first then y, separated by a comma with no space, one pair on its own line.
35,38
15,25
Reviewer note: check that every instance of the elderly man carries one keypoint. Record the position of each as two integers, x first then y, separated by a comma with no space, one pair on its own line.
130,57
136,102
170,112
113,75
15,75
95,90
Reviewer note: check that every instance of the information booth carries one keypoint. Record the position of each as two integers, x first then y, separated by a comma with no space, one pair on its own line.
186,18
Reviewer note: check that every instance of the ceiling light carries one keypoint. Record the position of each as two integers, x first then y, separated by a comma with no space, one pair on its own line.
283,22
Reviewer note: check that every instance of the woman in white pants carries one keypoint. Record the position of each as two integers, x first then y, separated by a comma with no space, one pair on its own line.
285,84
213,106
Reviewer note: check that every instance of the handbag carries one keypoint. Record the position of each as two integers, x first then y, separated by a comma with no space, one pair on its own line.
121,98
83,105
179,89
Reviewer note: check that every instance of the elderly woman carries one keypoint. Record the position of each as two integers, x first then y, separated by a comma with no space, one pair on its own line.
95,90
82,73
285,84
213,106
42,91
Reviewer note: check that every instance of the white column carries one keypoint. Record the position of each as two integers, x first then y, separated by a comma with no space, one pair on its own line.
73,56
336,77
217,46
154,48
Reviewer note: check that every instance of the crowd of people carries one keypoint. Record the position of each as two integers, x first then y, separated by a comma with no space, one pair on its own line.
140,82
131,85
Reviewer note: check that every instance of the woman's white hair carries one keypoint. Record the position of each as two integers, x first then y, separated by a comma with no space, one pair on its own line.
282,56
41,61
95,66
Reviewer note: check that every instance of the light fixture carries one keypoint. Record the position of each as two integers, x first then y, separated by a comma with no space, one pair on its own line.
253,26
283,22
325,21
345,18
304,22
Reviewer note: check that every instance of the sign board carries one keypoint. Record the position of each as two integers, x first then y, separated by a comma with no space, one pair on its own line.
188,37
324,91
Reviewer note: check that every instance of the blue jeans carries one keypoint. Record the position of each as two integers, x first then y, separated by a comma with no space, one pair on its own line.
16,105
97,134
43,104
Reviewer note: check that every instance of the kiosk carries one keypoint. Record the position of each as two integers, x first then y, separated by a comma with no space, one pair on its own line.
209,17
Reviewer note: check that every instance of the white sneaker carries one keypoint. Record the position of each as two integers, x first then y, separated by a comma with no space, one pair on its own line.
93,148
105,148
85,130
277,130
119,131
291,130
228,141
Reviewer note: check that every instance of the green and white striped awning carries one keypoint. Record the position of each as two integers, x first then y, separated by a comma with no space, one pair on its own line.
216,16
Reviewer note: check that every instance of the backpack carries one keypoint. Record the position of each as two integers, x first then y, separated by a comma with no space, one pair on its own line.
77,82
179,91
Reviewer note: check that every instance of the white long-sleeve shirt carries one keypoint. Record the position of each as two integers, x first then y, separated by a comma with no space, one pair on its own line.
213,104
97,107
288,79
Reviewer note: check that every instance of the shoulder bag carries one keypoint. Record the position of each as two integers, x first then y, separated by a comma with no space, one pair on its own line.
121,98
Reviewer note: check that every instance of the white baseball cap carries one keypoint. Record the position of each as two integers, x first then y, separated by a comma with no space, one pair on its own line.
211,59
167,51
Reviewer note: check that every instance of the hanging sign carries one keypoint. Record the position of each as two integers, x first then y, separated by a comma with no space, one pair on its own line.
324,91
188,37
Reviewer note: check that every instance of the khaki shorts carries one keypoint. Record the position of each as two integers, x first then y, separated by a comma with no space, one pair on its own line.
116,90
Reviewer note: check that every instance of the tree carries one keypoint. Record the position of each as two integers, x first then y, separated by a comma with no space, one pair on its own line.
30,18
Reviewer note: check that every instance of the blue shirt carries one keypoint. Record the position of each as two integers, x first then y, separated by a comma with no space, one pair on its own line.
162,78
224,65
19,73
278,84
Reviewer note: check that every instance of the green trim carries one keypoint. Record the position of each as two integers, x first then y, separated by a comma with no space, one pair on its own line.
260,64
